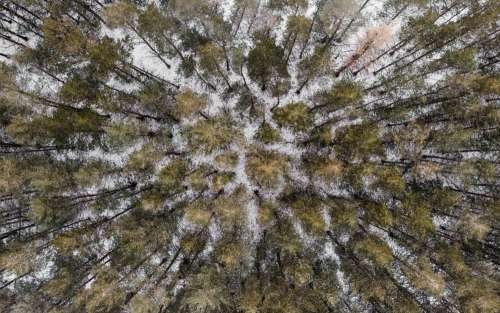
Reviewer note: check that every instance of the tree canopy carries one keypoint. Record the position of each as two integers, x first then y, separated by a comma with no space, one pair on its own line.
249,156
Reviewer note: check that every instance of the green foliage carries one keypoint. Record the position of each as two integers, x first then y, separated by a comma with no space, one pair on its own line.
295,115
104,56
321,135
378,213
308,209
423,277
46,213
13,175
329,170
203,295
154,200
198,213
344,216
230,209
342,93
92,173
104,296
172,175
418,216
390,179
374,249
266,168
358,142
18,258
227,159
280,156
153,23
78,89
71,42
280,4
119,14
266,61
266,134
220,180
144,159
119,134
188,103
314,65
64,127
211,56
212,134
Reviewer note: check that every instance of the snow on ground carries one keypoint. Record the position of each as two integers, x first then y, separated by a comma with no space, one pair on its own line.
143,57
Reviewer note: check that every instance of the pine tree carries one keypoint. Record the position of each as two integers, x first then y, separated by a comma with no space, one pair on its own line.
259,156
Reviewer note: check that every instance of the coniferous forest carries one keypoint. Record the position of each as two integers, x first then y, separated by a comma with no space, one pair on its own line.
249,156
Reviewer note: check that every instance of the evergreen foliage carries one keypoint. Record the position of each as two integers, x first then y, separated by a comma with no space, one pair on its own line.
249,156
